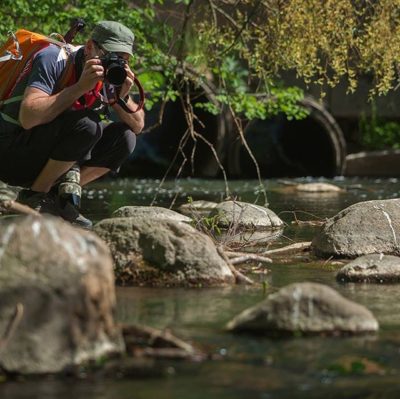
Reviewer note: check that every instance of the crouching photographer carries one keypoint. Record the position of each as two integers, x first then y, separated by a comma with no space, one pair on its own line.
54,128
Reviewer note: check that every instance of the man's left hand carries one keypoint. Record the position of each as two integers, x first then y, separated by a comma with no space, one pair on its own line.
128,83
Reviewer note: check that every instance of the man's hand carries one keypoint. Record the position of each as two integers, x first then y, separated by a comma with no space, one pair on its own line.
135,120
128,83
92,73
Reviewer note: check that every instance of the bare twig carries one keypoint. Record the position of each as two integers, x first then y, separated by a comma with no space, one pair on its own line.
150,342
246,145
328,260
308,222
227,16
13,206
250,257
184,29
294,213
242,28
214,15
160,118
240,277
297,247
12,325
182,143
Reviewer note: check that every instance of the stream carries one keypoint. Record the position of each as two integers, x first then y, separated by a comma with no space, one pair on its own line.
245,366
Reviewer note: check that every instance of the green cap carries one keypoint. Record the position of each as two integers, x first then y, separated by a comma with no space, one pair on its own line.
114,37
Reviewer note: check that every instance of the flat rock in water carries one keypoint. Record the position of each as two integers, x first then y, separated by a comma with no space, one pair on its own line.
154,212
245,216
318,188
363,228
375,268
150,252
305,308
57,296
195,208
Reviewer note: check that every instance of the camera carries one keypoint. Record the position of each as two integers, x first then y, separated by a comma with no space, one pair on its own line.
114,68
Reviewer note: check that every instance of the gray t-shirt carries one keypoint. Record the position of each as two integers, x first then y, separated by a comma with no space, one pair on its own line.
47,68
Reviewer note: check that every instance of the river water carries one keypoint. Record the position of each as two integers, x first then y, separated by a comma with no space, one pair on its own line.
245,366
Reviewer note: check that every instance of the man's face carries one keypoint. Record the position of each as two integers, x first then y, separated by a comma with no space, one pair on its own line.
96,50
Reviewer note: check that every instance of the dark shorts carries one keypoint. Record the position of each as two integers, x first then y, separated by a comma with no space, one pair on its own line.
73,136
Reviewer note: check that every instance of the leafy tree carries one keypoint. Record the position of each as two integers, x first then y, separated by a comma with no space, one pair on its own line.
239,46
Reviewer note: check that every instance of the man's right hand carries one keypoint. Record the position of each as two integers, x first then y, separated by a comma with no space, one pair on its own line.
92,73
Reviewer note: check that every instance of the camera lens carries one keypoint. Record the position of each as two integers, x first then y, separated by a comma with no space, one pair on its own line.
116,74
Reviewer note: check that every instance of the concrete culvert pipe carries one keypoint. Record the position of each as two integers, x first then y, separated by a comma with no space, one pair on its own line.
158,148
313,146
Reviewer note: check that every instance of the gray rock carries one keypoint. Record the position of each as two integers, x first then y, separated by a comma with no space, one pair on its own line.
150,212
194,208
162,252
245,215
305,308
376,268
363,228
57,290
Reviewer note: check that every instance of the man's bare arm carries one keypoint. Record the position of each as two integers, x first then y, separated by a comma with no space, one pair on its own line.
135,121
38,107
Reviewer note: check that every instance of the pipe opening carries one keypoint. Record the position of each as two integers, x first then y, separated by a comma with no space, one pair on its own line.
313,146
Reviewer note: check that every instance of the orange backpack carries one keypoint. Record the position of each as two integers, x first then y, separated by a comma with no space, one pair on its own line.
16,58
19,51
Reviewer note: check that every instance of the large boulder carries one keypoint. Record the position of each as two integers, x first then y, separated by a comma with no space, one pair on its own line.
363,228
245,216
150,212
305,308
57,296
375,268
162,252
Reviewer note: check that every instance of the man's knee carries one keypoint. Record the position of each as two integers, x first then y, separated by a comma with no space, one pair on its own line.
130,141
83,126
123,137
88,127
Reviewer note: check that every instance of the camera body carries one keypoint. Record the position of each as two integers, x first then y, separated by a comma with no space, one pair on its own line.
114,68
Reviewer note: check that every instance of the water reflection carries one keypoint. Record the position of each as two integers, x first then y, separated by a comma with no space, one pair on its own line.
103,197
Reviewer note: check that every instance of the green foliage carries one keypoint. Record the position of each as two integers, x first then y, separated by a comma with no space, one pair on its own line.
163,50
239,47
378,134
207,224
211,224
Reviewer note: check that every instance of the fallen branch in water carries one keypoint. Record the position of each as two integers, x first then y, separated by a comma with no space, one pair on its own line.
297,247
150,342
308,222
240,277
14,206
242,257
